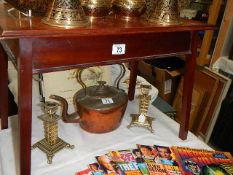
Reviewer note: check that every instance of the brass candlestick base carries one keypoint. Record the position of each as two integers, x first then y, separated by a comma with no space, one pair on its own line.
142,119
50,150
137,120
51,144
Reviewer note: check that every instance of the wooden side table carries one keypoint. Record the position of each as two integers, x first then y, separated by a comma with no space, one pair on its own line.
39,48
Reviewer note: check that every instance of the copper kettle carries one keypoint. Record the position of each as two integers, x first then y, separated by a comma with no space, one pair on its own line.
100,108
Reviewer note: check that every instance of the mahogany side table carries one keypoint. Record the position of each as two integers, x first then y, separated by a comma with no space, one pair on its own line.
37,48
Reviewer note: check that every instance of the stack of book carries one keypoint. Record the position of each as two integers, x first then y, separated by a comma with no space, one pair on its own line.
161,160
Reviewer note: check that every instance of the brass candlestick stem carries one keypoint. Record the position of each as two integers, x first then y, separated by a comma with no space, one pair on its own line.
51,143
142,119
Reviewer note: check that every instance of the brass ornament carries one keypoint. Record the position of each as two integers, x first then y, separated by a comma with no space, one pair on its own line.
129,9
96,8
66,13
142,119
51,144
165,12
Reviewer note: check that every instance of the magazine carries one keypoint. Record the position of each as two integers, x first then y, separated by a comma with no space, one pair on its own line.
124,162
155,169
149,153
84,172
96,169
168,161
152,160
140,161
227,168
200,161
129,168
107,165
121,156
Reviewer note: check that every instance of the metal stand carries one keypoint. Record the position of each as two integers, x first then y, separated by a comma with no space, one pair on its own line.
142,119
51,144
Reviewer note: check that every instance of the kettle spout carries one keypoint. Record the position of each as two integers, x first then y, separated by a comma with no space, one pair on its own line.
67,118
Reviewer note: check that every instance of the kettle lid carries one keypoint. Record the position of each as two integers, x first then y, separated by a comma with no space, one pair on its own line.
101,97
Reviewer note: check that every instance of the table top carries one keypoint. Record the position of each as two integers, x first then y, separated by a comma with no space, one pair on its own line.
15,25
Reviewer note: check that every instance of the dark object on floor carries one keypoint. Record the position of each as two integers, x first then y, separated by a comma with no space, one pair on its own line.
222,135
12,107
169,63
163,106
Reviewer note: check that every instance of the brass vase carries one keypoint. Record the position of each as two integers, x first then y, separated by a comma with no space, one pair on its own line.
165,12
66,13
129,9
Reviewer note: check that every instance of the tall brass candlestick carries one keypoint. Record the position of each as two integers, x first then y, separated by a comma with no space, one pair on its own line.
142,119
51,143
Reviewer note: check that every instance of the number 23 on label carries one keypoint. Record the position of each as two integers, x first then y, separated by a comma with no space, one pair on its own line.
118,49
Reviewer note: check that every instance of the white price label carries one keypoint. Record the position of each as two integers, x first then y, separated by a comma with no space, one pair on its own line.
118,49
107,100
141,118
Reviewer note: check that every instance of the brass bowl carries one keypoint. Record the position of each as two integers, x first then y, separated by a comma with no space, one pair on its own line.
96,8
129,9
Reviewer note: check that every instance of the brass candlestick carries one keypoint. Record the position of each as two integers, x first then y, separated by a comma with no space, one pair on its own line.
51,143
142,119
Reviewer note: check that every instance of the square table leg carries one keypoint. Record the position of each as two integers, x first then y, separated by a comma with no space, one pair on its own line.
24,64
188,88
3,88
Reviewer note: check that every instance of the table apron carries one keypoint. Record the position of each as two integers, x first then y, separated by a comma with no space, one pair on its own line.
49,53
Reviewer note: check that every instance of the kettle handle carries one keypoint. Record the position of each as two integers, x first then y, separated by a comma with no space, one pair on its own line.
116,82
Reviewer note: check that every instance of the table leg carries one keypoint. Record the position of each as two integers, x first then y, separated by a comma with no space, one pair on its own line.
188,88
3,88
25,104
133,77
